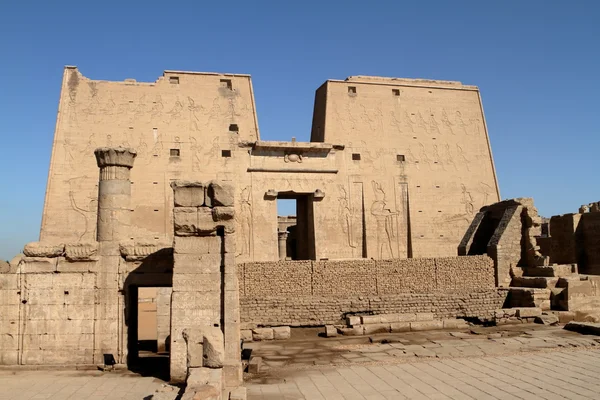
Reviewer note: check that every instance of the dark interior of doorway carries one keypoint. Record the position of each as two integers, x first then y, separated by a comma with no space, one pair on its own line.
301,236
143,353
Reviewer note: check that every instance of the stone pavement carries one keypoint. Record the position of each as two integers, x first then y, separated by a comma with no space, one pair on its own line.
75,385
523,362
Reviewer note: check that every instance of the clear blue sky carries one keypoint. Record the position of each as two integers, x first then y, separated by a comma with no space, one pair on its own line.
537,64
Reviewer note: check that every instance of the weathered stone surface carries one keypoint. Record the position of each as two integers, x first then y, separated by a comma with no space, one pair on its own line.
220,194
547,319
426,325
425,316
188,194
400,327
376,328
528,312
238,393
330,331
41,249
455,324
254,365
282,332
371,319
4,266
213,347
223,213
587,328
356,330
353,320
262,334
81,251
246,335
206,392
195,350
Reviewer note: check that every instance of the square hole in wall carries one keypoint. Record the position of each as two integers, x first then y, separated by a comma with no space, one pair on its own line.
174,152
396,92
356,156
400,157
226,83
351,89
174,80
225,153
234,128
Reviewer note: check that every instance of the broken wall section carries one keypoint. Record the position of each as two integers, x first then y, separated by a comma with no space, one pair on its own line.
205,328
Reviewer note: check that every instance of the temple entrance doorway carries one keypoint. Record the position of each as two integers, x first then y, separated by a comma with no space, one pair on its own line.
295,226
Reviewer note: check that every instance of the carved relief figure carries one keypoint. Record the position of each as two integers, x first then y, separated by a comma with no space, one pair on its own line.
87,211
196,148
157,108
467,200
175,112
68,153
244,219
140,109
486,190
345,215
461,155
447,156
423,155
447,123
460,124
385,234
434,129
194,120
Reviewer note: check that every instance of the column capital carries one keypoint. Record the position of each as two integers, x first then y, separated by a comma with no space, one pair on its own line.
115,156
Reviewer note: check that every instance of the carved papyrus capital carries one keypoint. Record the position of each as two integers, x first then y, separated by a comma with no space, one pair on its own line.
115,156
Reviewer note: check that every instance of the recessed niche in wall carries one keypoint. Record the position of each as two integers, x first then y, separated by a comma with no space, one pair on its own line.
174,152
174,80
356,156
396,92
226,83
225,153
351,89
234,128
400,157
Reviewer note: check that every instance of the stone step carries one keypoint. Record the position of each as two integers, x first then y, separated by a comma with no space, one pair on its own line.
551,270
540,282
528,297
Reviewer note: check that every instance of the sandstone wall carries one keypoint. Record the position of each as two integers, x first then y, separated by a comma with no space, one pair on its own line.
47,313
318,292
395,148
428,135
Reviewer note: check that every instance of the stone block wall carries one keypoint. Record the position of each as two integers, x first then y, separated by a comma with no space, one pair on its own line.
47,310
305,293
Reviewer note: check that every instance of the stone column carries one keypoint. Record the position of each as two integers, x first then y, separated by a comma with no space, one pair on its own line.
282,238
114,192
114,214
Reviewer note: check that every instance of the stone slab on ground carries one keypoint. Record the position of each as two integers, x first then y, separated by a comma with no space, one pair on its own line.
587,328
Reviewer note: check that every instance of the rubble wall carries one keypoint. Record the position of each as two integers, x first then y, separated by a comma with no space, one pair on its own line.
301,293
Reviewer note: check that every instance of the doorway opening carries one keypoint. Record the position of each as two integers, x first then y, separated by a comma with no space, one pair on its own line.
149,329
295,225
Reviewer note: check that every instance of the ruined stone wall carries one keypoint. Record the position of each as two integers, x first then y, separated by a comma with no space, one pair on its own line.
563,231
589,231
318,292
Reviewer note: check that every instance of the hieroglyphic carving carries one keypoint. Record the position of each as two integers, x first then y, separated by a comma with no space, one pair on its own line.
434,128
175,112
157,108
88,211
424,157
460,124
68,153
345,215
462,157
486,190
292,157
196,149
467,200
194,120
447,123
386,233
244,221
